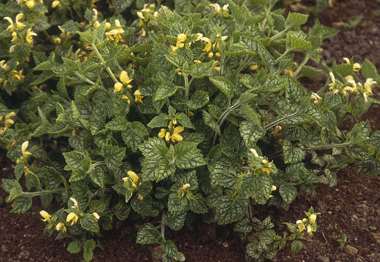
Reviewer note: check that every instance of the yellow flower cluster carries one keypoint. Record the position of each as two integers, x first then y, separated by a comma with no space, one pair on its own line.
138,96
308,224
114,34
29,3
8,122
133,178
211,48
216,8
173,132
125,80
17,29
316,98
352,86
147,16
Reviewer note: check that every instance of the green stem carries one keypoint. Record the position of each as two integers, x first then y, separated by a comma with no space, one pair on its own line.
41,193
306,58
278,121
163,224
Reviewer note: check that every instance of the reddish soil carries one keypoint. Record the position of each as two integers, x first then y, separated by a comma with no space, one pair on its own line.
351,208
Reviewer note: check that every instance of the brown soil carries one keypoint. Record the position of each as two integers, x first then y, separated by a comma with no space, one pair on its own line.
351,208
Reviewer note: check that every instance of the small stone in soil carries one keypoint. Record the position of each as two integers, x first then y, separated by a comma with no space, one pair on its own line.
4,249
375,237
323,259
350,250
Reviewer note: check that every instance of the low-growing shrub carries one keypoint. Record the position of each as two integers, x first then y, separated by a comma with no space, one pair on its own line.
118,109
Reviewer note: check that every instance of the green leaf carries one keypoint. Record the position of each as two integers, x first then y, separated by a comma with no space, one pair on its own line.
122,210
225,85
296,19
134,135
22,204
295,91
250,132
70,26
97,176
254,46
176,204
147,234
274,84
175,220
288,193
198,204
187,155
369,71
50,176
143,207
170,248
229,210
73,159
158,121
21,53
19,171
81,193
185,121
176,60
113,155
295,42
88,248
200,70
32,180
89,223
292,154
198,100
296,246
209,121
153,148
165,90
74,247
117,124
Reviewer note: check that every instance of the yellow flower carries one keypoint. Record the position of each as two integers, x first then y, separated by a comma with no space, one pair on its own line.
24,146
197,61
176,136
181,38
14,37
30,4
118,87
266,170
208,44
273,188
162,133
60,227
8,123
124,78
117,23
115,34
55,4
140,15
72,217
29,36
133,176
57,40
368,85
74,202
310,230
316,98
356,67
254,152
108,25
45,215
96,216
138,96
96,24
185,186
167,136
312,218
11,26
346,60
301,225
264,161
126,98
210,55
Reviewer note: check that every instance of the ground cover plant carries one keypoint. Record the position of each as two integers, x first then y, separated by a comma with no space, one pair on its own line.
225,74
